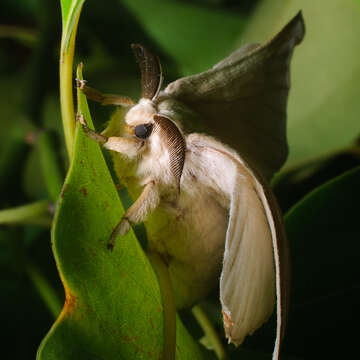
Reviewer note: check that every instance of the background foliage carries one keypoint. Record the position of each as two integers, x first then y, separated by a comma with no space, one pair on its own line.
319,184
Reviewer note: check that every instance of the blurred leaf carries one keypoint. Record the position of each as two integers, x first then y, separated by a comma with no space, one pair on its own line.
318,221
324,107
210,340
46,291
10,104
24,9
36,213
196,37
12,157
294,183
324,233
33,181
113,307
26,36
43,62
14,127
50,166
23,314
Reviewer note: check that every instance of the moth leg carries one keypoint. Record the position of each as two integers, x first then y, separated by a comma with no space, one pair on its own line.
91,133
138,212
127,146
104,99
120,229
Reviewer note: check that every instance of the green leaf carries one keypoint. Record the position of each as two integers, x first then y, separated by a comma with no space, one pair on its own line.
196,37
329,204
65,10
322,218
324,233
323,111
113,307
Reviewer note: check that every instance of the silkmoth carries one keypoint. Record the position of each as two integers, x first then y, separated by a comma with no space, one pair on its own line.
207,207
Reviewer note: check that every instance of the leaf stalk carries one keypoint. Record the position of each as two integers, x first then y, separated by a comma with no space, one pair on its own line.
66,75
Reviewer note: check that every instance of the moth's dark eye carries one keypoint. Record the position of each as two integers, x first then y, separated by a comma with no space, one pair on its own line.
143,131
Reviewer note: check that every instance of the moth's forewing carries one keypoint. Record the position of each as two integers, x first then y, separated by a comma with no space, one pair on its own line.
243,99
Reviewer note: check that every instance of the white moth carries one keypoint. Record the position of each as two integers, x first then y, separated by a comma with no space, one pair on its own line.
207,208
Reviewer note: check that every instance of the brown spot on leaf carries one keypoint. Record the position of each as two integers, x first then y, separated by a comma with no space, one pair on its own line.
134,341
89,310
123,275
92,252
152,323
70,303
119,187
130,339
106,204
84,191
62,193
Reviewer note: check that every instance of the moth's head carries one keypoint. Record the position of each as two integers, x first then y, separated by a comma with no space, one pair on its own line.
139,120
147,123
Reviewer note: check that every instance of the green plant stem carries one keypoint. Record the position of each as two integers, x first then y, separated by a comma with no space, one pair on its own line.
50,167
44,288
209,331
169,310
66,77
36,213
